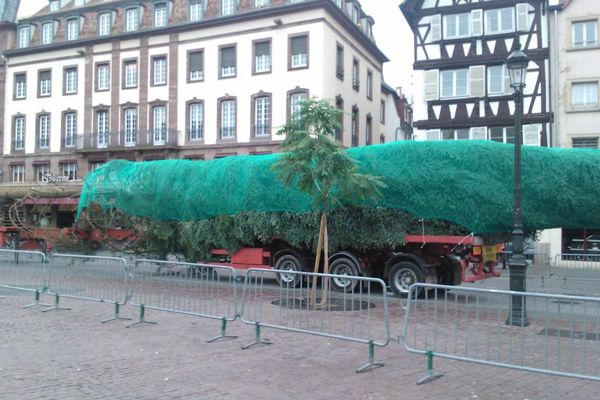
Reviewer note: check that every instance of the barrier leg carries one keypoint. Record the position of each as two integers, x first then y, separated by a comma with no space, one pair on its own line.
431,375
223,334
117,314
142,319
37,301
258,341
371,364
56,306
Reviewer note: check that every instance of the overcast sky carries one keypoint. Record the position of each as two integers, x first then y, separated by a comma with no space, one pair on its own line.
392,34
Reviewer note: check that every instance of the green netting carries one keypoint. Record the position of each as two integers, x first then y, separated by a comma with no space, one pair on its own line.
469,183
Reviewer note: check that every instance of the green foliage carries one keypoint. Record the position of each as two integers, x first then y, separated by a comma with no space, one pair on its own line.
317,165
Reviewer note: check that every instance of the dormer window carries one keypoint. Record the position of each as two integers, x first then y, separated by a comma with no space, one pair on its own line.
24,36
47,32
228,7
196,10
54,5
73,29
104,24
79,3
355,14
132,20
161,17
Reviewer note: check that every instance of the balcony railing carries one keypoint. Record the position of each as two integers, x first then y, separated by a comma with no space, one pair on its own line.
125,140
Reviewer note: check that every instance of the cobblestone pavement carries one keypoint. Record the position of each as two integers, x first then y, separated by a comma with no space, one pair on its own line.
69,355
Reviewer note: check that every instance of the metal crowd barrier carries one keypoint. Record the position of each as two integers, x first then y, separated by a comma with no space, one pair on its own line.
24,271
206,291
92,278
557,334
360,315
538,264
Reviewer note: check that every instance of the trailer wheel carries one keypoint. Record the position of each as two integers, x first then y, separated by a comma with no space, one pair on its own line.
290,261
343,266
403,275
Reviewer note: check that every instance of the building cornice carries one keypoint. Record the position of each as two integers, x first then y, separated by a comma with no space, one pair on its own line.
270,12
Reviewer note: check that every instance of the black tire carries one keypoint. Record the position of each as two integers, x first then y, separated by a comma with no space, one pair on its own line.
403,275
289,261
343,266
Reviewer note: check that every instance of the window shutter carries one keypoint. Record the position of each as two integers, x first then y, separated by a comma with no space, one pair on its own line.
195,61
299,45
228,57
531,135
262,49
433,134
431,91
478,133
477,80
435,32
522,17
477,22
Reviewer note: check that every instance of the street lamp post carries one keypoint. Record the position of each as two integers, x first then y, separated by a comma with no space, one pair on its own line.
517,63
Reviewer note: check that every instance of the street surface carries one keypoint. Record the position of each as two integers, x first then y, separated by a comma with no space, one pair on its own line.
70,355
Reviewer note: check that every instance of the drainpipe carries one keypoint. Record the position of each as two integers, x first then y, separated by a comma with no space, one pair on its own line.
557,141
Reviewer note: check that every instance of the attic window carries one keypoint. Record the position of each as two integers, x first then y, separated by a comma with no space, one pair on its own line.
54,5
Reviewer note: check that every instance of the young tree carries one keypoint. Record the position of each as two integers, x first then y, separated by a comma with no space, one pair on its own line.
319,166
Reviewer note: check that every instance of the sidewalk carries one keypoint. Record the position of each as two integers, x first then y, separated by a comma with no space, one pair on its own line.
70,355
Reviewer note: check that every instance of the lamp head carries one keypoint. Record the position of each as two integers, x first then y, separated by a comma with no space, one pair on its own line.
517,63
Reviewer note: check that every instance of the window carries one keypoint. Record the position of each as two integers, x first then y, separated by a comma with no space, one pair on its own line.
130,124
196,121
296,100
55,5
102,77
382,112
24,36
43,135
132,20
339,61
228,7
131,74
339,130
70,128
70,81
42,172
19,124
354,14
585,33
196,65
79,3
355,74
159,124
69,170
261,3
369,130
196,10
44,83
20,86
262,116
299,51
47,33
227,61
456,26
104,24
454,83
502,135
161,17
369,85
262,56
585,143
73,29
354,126
501,20
584,95
102,127
159,70
455,134
94,165
18,173
228,119
497,80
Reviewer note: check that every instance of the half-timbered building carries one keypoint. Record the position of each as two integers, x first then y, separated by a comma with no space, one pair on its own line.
462,88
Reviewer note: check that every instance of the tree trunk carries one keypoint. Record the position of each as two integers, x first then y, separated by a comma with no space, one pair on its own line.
325,263
322,230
